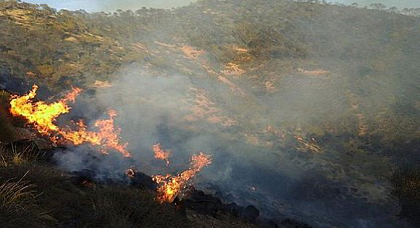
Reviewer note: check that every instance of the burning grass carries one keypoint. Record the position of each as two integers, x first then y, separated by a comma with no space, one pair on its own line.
171,186
43,116
35,194
161,154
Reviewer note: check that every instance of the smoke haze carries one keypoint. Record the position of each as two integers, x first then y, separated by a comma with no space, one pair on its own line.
277,137
158,109
112,5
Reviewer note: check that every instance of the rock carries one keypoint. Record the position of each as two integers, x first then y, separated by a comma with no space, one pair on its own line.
234,209
213,206
250,214
202,203
142,180
291,223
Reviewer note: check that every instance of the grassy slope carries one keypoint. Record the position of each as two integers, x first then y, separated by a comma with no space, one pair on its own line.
366,48
44,197
35,194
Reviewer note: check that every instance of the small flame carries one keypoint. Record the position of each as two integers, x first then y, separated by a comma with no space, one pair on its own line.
161,153
171,186
43,116
107,137
131,173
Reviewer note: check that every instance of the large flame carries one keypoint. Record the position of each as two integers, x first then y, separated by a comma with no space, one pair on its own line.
40,114
171,186
43,116
161,154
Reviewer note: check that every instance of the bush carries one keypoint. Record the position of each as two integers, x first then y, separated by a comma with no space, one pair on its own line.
7,133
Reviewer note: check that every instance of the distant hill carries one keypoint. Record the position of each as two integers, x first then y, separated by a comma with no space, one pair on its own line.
331,91
77,47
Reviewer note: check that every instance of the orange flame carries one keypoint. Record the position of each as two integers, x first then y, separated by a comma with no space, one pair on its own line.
161,153
40,114
43,116
171,186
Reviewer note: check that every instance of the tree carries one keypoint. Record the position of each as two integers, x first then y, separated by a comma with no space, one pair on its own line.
377,6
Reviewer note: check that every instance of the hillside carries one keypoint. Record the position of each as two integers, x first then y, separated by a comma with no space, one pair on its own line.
314,105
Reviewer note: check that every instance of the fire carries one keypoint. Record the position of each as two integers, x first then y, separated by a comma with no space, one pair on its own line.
131,173
161,153
43,116
40,114
106,137
171,186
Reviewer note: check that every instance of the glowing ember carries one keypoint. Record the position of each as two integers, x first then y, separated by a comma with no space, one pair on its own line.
308,145
161,153
43,115
131,173
171,186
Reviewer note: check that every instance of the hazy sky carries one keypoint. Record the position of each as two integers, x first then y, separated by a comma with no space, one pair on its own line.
109,5
398,3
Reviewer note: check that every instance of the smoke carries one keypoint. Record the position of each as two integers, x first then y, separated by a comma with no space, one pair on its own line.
158,109
390,3
264,145
112,5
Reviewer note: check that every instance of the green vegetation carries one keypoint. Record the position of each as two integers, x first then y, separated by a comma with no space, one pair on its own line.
76,48
358,125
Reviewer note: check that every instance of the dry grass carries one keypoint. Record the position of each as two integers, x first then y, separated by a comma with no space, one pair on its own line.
28,153
4,95
35,194
128,207
15,154
18,203
16,195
